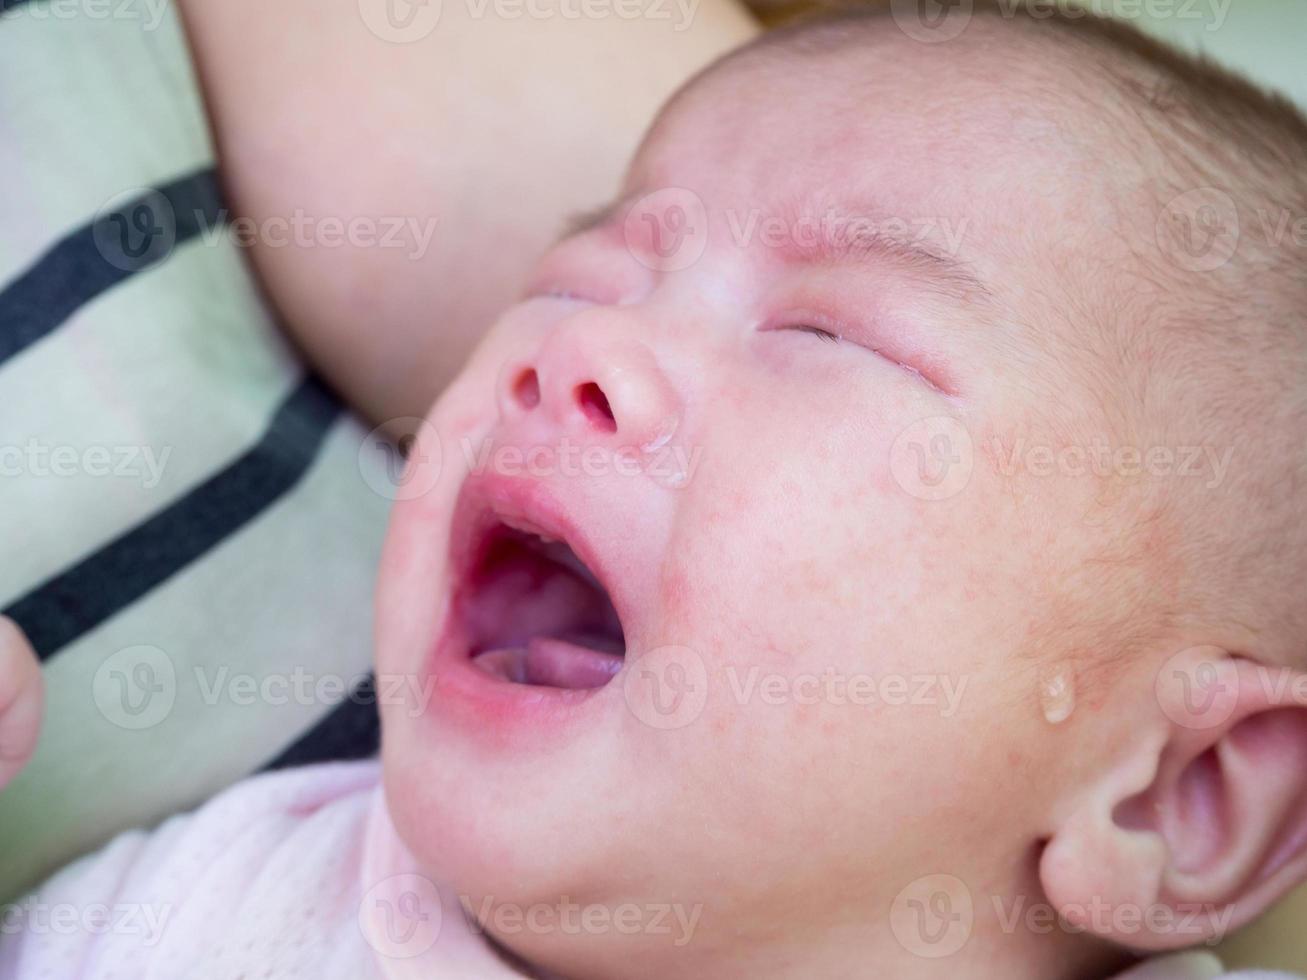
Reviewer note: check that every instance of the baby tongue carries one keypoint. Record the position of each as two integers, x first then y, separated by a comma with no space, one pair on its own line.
550,661
557,662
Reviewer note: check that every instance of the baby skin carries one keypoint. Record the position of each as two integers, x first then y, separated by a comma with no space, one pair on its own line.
801,580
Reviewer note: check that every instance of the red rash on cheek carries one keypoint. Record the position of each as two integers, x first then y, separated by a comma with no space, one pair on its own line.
676,593
467,421
977,586
740,503
803,715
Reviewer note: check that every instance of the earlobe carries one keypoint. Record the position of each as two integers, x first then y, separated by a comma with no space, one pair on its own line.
1094,872
1204,823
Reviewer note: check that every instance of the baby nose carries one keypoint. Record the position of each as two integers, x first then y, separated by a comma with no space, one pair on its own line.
598,387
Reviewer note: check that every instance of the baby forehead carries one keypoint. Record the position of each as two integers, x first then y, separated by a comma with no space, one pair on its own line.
814,155
764,126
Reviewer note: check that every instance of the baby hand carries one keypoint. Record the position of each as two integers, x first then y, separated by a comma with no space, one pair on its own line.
21,700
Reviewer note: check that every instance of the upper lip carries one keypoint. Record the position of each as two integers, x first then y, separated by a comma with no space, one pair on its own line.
529,506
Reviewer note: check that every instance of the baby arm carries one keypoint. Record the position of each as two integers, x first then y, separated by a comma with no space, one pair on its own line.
21,699
471,138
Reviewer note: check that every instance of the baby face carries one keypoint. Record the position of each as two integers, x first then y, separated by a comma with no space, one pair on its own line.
723,599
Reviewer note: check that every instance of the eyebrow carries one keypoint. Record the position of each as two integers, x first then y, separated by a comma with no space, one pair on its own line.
868,241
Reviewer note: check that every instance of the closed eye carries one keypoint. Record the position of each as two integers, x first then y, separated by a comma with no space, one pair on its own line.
822,333
557,292
831,337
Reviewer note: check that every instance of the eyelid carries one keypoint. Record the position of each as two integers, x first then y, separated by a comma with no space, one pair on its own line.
556,292
549,291
827,335
820,325
808,322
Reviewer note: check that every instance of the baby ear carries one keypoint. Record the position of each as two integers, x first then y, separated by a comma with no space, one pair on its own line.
1203,824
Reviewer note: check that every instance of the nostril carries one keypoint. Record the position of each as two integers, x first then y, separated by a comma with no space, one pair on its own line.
526,389
594,404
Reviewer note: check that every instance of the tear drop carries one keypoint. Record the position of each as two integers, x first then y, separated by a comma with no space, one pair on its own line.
1057,694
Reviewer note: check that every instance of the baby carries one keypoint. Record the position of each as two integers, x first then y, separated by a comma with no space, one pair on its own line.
872,547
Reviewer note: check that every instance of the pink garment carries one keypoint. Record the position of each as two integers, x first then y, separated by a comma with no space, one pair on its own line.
289,874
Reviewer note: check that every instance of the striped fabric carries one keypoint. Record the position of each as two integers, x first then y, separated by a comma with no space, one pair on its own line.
188,532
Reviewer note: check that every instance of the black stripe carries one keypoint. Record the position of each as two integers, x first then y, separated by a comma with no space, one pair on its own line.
9,4
130,237
81,598
351,731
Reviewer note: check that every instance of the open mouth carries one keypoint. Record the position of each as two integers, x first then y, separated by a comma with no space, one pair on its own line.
534,614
